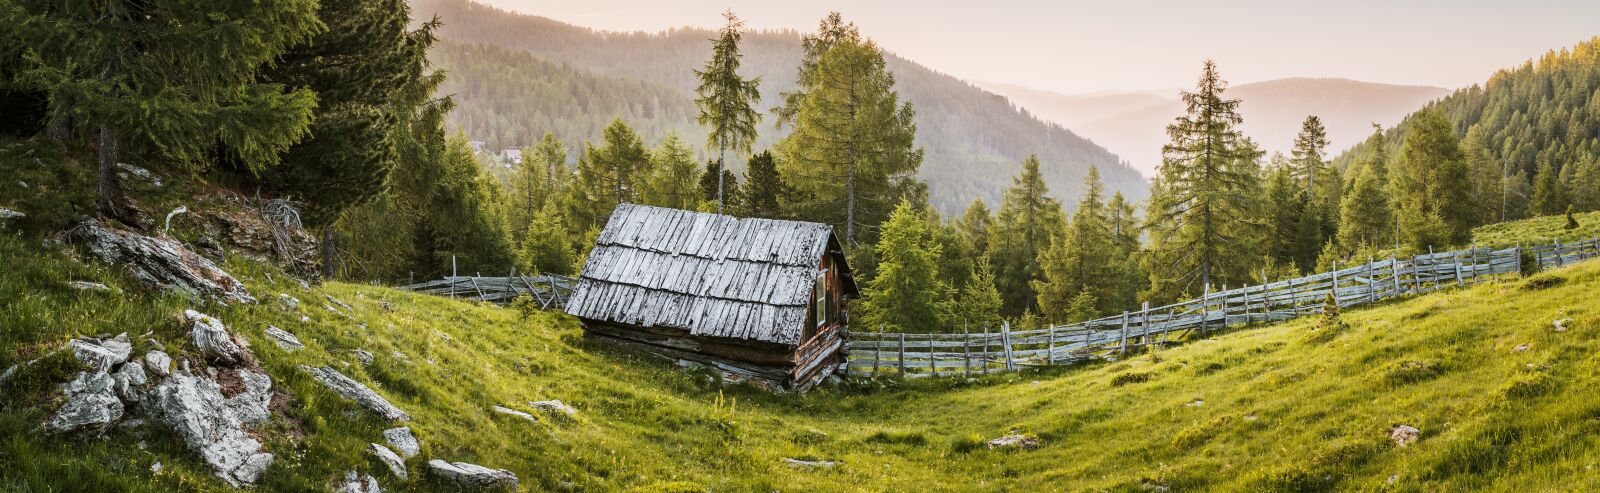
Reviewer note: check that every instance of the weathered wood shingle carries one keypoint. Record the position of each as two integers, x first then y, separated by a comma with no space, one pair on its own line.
710,274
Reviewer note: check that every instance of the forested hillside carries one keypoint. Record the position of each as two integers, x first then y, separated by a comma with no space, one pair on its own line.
1530,135
973,139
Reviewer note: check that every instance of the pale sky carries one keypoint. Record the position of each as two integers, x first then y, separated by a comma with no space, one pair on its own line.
1077,46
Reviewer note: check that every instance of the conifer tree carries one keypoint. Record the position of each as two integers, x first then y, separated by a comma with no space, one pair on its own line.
711,180
978,305
535,182
547,247
974,225
727,99
1488,178
1124,223
1202,214
1026,224
674,174
1083,261
764,189
851,155
1285,208
1431,184
608,175
906,295
1549,193
1364,213
1307,161
158,79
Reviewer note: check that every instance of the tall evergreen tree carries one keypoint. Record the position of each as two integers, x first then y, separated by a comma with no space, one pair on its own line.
547,246
907,294
1549,193
165,79
1084,260
1201,217
764,189
727,99
1026,224
1123,219
978,305
1285,207
974,225
851,155
1432,186
364,68
607,176
540,177
1488,178
1308,154
711,182
674,174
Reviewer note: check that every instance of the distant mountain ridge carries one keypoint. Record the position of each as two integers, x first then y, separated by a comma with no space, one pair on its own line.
1134,124
974,140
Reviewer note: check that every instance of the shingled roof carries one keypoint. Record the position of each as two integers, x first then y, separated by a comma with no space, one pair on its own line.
710,274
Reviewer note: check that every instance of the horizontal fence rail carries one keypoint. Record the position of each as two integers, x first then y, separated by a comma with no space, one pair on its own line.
915,355
549,291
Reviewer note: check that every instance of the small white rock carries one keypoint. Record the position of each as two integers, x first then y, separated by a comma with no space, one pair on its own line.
159,363
88,286
513,412
1404,435
389,458
402,440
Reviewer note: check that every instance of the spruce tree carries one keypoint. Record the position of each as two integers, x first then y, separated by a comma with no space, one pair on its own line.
1549,193
1027,223
764,189
1083,261
851,155
608,175
164,79
974,225
978,305
1365,217
547,246
726,99
906,295
711,182
536,182
1431,184
1203,208
1124,222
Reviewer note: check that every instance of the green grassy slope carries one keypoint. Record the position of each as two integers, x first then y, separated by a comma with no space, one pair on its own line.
1279,411
1542,230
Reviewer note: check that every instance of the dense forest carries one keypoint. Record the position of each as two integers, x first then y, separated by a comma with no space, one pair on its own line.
973,139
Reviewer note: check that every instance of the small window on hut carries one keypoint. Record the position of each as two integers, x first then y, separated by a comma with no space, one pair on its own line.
819,297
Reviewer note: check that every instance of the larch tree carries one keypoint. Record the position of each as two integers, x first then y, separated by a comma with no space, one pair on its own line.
974,225
607,176
674,174
1203,206
851,154
540,177
1028,221
907,294
726,99
169,80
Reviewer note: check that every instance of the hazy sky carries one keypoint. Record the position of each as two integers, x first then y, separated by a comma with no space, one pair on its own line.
1083,46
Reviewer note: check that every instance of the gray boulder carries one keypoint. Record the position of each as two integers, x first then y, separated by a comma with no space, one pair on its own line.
161,263
284,339
364,357
473,476
289,302
355,482
159,363
353,390
389,458
1405,435
1015,442
555,409
213,425
512,412
11,214
213,340
88,286
91,402
129,381
402,439
102,355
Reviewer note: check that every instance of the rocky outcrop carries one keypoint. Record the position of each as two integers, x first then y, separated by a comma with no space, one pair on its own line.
402,439
473,476
161,263
102,355
284,339
129,381
353,390
355,482
1405,435
159,363
214,341
214,425
555,409
91,402
389,458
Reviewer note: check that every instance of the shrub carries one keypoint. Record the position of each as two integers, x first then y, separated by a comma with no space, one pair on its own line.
1129,377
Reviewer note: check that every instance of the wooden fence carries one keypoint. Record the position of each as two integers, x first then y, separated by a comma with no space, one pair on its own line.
967,353
549,291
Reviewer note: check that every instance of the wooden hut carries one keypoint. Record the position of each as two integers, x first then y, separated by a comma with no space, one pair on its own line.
758,300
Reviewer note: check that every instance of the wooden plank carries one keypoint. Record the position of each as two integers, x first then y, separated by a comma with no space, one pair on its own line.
1005,338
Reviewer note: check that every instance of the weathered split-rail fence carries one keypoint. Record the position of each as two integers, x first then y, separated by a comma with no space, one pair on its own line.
548,291
994,350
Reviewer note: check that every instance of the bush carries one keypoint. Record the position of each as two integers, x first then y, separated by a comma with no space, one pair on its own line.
1129,377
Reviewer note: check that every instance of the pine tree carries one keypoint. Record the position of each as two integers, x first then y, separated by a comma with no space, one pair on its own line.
906,295
1027,223
1488,180
851,154
365,68
1431,185
764,189
726,99
1307,161
1549,193
1083,261
1124,222
674,174
155,79
1308,238
1202,213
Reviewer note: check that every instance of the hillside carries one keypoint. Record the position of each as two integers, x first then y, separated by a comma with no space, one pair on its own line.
1544,111
975,140
1500,397
1134,124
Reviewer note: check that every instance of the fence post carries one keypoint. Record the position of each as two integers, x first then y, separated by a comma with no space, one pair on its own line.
1205,308
902,348
1394,273
1005,339
1050,345
1474,275
1144,322
933,359
1372,282
985,349
1559,262
452,276
1123,346
1333,288
966,351
877,351
1456,257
